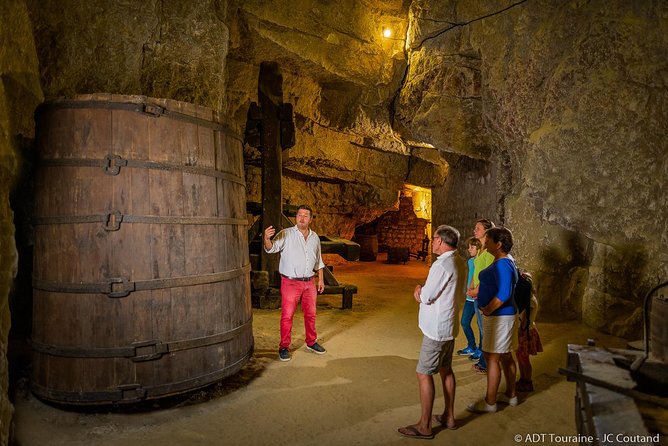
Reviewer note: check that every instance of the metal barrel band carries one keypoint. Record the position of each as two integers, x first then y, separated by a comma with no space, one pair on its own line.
111,288
210,340
112,220
125,288
198,381
127,393
135,392
153,110
143,350
131,393
156,348
111,165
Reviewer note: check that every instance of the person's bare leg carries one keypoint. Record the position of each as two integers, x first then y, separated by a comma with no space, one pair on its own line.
510,373
427,392
426,385
447,419
524,365
493,377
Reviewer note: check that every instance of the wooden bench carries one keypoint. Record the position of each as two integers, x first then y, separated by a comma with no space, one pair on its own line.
332,286
345,290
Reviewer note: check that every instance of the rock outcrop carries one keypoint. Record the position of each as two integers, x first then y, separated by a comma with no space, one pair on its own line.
567,103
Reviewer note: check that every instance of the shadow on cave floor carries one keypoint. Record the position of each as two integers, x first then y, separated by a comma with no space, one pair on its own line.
358,393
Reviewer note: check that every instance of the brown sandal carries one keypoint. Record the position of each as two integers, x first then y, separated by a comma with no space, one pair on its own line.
412,432
439,420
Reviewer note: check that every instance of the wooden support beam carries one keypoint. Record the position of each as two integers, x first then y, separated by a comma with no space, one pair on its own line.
270,127
270,96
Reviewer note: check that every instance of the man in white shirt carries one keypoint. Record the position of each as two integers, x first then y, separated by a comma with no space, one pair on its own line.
300,259
438,322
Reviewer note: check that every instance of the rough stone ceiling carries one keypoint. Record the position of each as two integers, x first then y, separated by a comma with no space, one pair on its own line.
337,42
334,52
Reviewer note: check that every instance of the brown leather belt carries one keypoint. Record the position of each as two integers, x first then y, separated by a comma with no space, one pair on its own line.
301,279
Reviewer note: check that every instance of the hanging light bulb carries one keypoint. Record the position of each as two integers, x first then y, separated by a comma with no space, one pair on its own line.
387,32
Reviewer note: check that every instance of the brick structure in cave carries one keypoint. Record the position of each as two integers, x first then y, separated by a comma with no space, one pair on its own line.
398,229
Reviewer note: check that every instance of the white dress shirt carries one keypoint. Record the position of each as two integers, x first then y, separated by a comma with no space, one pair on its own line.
437,318
299,257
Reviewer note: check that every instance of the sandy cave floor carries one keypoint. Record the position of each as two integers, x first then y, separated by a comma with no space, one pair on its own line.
360,392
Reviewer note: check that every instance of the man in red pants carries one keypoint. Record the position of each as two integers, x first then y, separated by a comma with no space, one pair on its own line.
300,259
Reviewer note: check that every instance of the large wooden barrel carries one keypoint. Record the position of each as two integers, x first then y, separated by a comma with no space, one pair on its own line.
368,247
141,271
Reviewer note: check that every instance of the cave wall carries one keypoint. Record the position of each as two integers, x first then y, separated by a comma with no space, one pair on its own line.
469,193
568,102
539,115
20,93
173,50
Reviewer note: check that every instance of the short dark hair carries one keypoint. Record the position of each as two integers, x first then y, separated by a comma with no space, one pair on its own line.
502,235
485,223
448,234
307,207
473,241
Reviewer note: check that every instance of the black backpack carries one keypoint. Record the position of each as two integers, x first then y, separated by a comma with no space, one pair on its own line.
523,291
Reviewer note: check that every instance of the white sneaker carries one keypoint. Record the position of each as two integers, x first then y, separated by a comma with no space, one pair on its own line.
481,406
502,398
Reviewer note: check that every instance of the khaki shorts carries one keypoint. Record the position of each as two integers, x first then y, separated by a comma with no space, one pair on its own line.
434,355
499,334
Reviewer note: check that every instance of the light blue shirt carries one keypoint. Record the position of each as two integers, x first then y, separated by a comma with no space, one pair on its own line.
471,265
